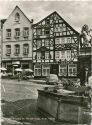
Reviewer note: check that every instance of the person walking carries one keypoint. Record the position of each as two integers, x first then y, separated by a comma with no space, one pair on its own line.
19,76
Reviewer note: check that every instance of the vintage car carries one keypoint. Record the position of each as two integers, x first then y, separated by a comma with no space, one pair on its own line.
52,79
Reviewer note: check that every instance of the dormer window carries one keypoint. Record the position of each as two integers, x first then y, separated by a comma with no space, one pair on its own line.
17,17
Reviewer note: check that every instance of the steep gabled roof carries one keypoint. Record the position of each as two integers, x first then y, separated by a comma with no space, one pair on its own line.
22,13
2,22
60,17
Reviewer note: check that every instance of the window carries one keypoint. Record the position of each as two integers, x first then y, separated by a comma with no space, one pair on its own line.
39,31
68,40
47,21
17,49
45,70
46,42
72,70
47,31
68,55
62,55
47,56
26,32
38,55
63,40
38,43
8,33
17,17
63,70
37,70
25,49
57,55
17,33
58,28
57,41
8,50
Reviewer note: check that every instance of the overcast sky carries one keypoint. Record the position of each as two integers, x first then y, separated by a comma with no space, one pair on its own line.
75,13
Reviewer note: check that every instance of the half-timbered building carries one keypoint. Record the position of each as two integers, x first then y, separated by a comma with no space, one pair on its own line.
55,47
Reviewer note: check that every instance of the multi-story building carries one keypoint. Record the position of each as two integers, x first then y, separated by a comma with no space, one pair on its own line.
17,41
1,26
55,47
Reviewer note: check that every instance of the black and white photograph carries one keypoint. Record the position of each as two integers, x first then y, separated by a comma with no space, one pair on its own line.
46,62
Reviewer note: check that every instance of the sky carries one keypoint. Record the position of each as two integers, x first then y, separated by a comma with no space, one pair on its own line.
76,13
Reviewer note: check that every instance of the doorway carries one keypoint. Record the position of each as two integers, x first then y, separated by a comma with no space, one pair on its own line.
54,69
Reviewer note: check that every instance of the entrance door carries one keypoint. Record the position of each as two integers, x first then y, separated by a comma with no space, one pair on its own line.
54,69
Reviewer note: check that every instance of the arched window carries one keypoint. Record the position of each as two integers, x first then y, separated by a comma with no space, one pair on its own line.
17,17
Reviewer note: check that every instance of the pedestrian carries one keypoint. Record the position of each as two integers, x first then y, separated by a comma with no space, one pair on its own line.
19,76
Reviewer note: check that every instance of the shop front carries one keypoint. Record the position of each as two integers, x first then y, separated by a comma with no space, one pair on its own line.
61,69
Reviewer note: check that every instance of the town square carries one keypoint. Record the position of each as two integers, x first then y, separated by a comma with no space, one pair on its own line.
46,62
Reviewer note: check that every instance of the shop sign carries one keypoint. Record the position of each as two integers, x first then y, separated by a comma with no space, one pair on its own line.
16,62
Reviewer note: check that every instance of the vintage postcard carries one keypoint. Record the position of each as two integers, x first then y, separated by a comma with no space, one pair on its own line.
46,62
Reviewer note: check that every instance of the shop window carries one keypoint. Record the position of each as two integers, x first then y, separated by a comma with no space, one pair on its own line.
8,50
26,32
45,70
17,17
8,33
17,49
17,33
37,70
63,70
25,49
72,70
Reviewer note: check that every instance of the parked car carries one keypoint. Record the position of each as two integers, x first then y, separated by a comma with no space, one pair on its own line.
52,79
